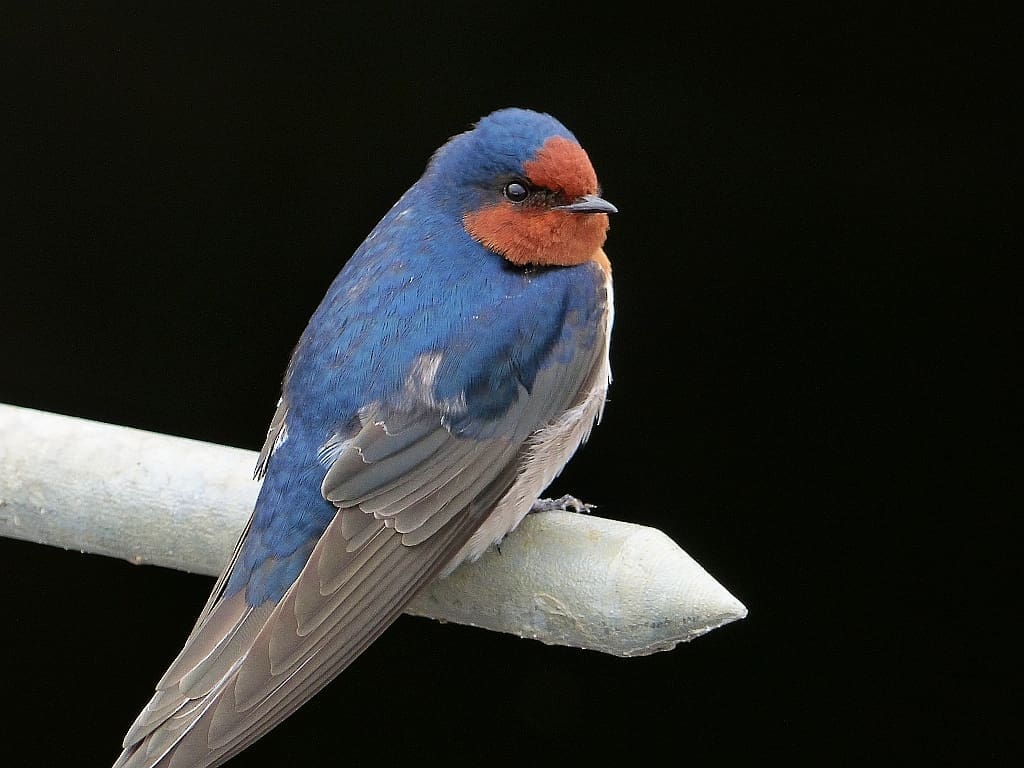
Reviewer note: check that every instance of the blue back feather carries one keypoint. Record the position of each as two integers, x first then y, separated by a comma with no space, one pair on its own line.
418,284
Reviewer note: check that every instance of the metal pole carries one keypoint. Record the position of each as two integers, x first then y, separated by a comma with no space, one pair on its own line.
561,578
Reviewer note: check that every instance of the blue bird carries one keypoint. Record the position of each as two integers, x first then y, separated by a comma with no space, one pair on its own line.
454,366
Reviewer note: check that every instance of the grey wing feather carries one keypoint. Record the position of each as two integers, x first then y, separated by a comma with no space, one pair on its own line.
211,633
243,668
409,494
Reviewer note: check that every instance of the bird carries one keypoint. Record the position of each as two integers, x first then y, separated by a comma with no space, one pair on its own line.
456,363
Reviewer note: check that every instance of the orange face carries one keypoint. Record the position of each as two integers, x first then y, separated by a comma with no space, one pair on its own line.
541,233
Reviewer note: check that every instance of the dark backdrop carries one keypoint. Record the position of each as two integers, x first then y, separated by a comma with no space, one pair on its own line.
805,202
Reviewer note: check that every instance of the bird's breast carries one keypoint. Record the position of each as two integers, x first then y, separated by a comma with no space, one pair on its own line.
549,448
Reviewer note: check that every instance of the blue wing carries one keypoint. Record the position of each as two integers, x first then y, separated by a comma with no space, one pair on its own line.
407,414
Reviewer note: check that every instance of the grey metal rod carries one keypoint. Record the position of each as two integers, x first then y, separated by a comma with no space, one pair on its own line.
561,578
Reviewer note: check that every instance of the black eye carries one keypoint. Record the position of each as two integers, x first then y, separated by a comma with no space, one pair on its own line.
516,191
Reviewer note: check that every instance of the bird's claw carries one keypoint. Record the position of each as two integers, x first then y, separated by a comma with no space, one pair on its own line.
563,504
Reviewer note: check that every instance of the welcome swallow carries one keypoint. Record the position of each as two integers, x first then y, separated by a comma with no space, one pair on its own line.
456,363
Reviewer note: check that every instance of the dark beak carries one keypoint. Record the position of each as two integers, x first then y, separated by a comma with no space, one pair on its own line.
588,204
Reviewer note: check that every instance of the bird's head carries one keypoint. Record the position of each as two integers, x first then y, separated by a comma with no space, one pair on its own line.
525,189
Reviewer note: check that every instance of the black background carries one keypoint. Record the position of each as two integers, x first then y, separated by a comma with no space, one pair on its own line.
801,399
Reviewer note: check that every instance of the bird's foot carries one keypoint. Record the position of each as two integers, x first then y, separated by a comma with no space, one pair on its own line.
563,504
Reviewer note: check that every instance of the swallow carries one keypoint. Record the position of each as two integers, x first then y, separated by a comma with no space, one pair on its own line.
455,364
